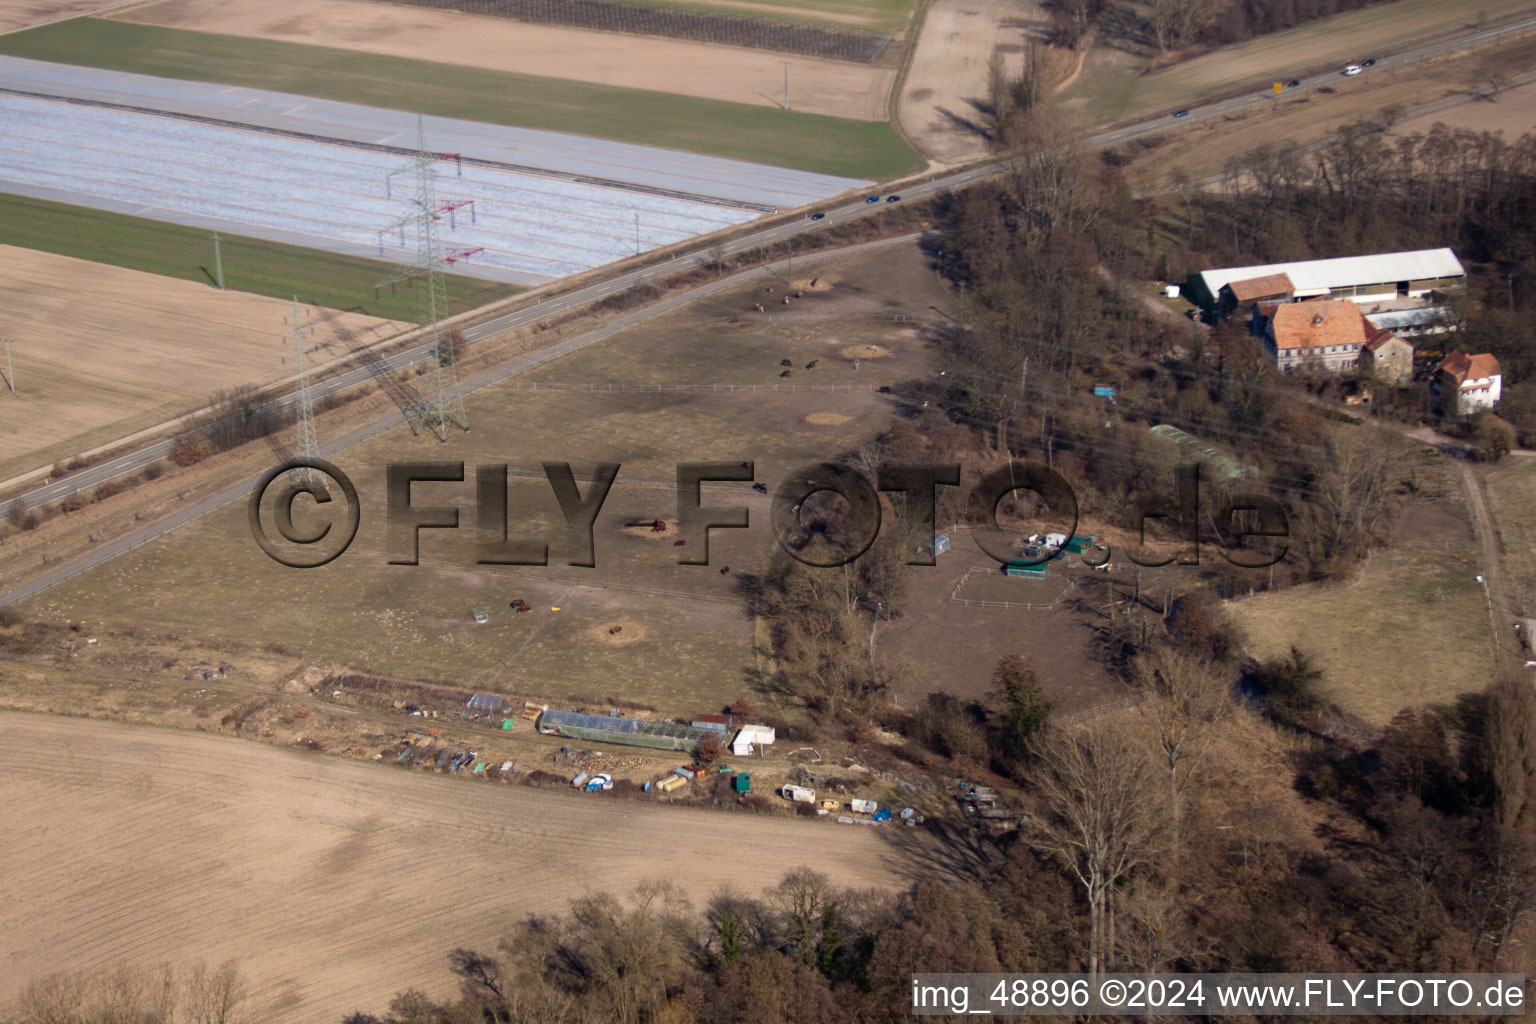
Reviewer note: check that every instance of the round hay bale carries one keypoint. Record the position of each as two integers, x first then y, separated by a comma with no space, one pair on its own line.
865,352
827,419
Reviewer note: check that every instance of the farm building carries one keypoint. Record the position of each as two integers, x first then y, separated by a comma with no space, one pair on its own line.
1466,383
751,736
719,723
1324,335
1410,323
485,702
635,732
1373,278
1387,357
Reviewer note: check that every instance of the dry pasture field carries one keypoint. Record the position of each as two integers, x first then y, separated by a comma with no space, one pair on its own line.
1381,639
946,645
729,73
100,351
334,884
208,579
948,73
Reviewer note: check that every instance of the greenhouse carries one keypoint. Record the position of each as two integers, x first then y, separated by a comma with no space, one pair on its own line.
635,732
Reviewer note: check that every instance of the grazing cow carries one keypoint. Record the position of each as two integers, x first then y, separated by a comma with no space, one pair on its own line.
724,570
616,630
679,542
812,364
814,280
786,300
785,362
735,319
784,374
769,288
760,488
800,294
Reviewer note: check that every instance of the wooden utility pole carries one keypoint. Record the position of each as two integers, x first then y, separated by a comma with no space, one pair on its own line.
218,262
10,378
786,83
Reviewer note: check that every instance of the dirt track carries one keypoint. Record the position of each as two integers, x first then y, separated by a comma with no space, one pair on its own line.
499,44
336,884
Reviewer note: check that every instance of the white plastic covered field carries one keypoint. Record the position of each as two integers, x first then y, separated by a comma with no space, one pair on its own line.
523,227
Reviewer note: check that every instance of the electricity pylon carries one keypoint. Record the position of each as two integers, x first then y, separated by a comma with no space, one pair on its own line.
304,411
441,407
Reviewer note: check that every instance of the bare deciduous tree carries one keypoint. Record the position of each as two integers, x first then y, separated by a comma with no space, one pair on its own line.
1183,697
1102,819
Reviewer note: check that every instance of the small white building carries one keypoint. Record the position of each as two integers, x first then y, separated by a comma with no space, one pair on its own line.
1468,383
750,736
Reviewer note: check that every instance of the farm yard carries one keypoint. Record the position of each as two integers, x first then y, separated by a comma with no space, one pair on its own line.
760,134
523,227
415,621
99,351
949,639
732,73
333,883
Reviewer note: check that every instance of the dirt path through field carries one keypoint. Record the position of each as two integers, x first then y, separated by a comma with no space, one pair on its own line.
335,883
731,73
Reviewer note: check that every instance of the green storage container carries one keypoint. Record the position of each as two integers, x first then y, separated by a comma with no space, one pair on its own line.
743,783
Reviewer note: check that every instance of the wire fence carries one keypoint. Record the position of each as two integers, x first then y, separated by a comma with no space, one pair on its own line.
955,598
680,23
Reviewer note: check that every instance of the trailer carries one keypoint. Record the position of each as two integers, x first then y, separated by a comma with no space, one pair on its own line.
798,794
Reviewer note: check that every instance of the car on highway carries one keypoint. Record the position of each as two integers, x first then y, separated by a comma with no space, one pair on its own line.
1352,69
1368,63
872,199
817,216
1293,83
893,199
1181,113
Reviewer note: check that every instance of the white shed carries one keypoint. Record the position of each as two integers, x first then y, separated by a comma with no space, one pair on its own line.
750,735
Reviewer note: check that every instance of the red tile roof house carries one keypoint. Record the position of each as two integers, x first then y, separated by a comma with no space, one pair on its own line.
1387,357
1466,383
1323,335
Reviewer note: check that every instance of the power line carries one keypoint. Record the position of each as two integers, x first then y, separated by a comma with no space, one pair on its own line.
444,406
